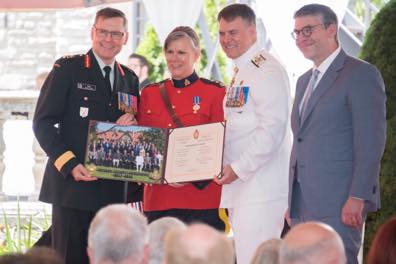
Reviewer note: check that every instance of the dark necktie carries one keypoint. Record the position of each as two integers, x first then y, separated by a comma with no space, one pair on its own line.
107,70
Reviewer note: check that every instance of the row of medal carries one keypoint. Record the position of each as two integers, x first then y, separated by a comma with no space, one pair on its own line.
237,96
127,103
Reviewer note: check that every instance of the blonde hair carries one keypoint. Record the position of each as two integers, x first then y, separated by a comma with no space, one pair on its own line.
182,32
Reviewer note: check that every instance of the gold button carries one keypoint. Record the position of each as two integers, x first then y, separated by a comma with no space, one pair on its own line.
169,125
149,111
178,91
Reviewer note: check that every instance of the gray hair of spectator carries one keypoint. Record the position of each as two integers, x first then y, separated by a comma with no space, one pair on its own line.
157,231
327,15
183,32
231,12
199,243
116,233
267,252
109,12
319,252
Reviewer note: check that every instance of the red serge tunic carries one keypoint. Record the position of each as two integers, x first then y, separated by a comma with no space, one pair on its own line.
152,112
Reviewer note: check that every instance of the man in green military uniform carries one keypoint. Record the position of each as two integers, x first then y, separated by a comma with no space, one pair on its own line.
78,89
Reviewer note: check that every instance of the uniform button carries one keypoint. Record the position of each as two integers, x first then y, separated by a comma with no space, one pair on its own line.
173,107
299,139
178,91
169,125
85,98
109,104
149,111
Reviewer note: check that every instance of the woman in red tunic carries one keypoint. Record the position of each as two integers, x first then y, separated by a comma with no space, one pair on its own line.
195,101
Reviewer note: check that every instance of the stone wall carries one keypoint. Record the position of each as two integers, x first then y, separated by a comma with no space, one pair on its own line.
30,42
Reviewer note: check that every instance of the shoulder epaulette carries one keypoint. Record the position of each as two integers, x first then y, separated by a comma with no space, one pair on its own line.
152,85
72,56
215,83
258,60
67,58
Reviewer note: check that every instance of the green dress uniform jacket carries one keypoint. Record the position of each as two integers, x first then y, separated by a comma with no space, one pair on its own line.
74,93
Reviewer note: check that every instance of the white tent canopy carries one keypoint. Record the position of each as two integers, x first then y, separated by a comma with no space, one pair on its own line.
165,15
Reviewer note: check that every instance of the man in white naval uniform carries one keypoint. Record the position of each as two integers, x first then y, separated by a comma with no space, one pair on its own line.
258,140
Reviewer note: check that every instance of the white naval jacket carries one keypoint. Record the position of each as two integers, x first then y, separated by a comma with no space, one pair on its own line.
258,139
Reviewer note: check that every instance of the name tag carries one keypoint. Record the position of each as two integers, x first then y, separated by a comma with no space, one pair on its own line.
86,86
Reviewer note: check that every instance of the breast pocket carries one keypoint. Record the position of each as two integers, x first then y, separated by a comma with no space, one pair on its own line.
156,117
82,104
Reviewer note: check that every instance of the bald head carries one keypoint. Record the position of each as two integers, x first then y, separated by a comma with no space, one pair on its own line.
312,242
198,243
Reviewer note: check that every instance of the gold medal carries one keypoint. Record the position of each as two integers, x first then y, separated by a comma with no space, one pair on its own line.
196,107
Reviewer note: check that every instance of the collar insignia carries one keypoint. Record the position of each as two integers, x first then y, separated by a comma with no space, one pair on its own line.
120,69
87,61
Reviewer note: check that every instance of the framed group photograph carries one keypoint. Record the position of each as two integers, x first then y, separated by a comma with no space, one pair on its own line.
154,155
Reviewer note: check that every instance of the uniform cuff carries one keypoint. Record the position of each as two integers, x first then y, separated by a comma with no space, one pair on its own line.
237,171
67,168
66,162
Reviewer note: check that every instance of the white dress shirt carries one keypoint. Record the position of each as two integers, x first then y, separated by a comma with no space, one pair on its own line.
102,65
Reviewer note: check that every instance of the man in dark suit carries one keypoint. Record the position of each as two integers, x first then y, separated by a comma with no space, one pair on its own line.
78,89
339,127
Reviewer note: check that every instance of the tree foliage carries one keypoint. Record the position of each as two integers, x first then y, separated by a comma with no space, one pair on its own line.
379,48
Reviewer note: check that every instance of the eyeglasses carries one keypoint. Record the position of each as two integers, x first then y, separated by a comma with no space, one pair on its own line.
103,33
306,31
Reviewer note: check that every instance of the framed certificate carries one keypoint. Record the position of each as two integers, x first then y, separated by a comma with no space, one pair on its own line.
155,155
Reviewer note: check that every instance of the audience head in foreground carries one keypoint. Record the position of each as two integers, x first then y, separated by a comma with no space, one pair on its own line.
117,234
157,232
383,247
199,243
35,255
311,243
267,252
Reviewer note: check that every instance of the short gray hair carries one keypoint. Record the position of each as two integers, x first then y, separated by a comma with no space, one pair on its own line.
326,13
199,243
116,233
157,231
267,252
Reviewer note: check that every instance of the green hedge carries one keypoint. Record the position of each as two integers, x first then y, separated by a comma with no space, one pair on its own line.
379,48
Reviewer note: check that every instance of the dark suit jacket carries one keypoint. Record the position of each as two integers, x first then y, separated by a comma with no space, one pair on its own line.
74,93
338,146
